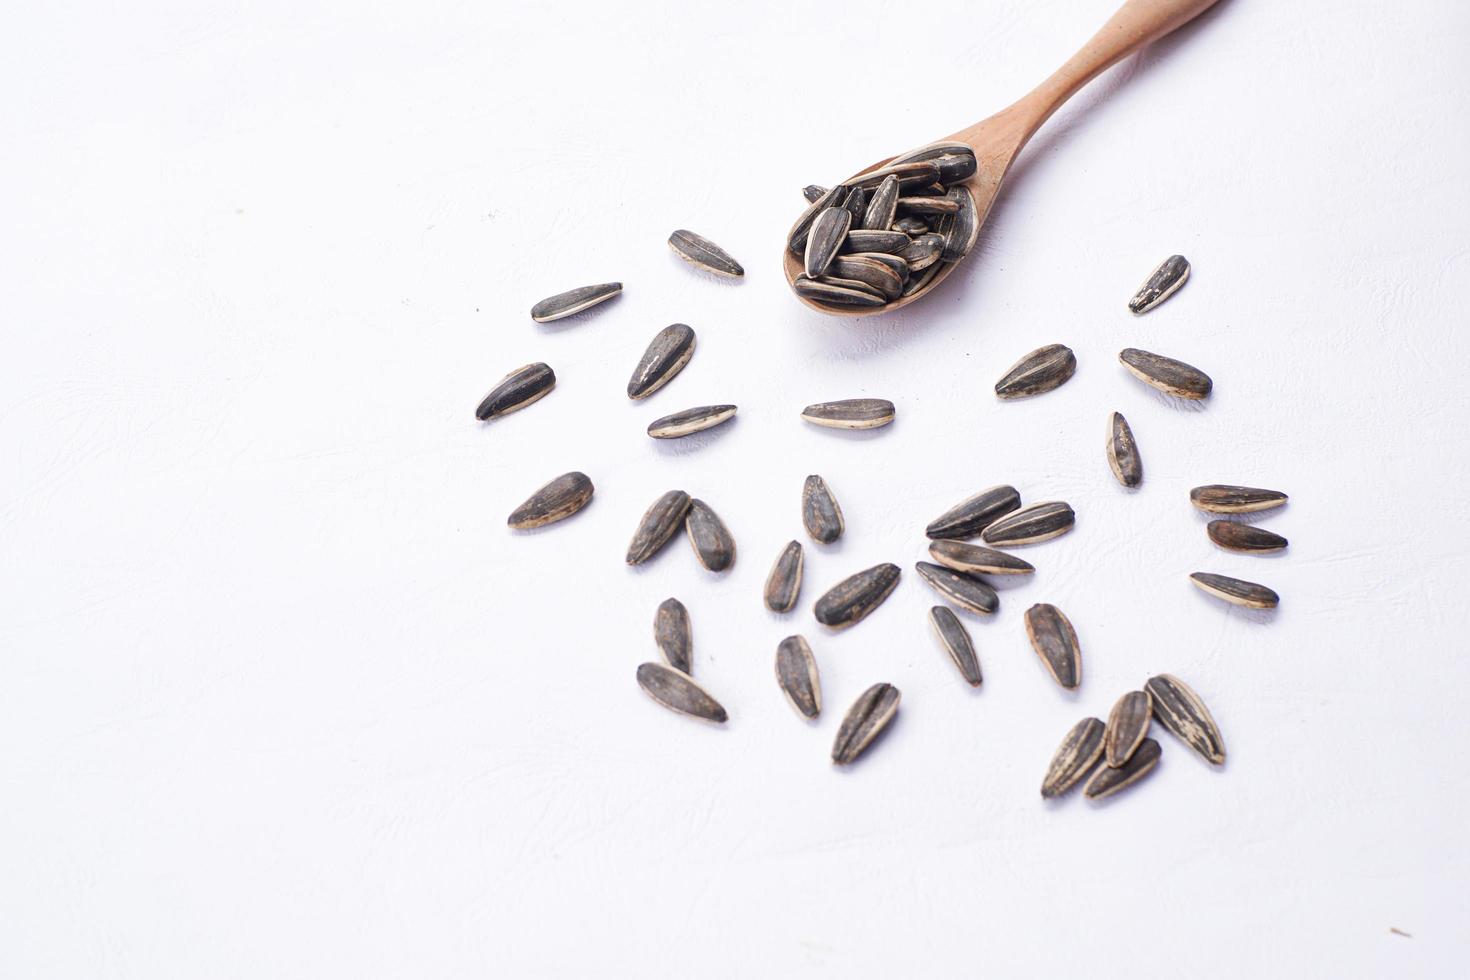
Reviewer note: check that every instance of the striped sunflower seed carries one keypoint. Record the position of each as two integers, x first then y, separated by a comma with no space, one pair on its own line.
874,240
659,523
796,672
1182,712
974,514
690,421
856,204
1221,499
851,600
1162,284
665,357
1123,456
813,193
950,171
851,413
922,252
956,642
864,721
972,559
966,591
892,261
672,633
1127,726
880,211
961,229
835,295
1166,374
516,390
713,544
928,205
853,285
911,225
700,251
820,513
921,280
1055,642
915,173
1107,780
783,585
1078,753
826,237
558,500
1234,536
868,270
574,301
797,236
1236,591
1040,371
1038,522
677,691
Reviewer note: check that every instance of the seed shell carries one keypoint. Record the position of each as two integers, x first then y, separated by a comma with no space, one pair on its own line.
922,279
1165,280
714,546
867,717
914,173
797,236
974,514
880,210
961,229
873,272
1247,538
700,251
836,295
851,600
855,285
1127,726
677,691
928,205
922,252
783,585
874,240
1038,522
672,633
1166,374
1123,456
1236,591
1182,712
1040,371
911,225
851,413
856,204
668,352
973,559
690,421
574,301
659,523
796,672
1055,642
1221,499
1107,780
955,160
826,237
556,501
813,193
820,512
956,642
966,591
1078,753
516,390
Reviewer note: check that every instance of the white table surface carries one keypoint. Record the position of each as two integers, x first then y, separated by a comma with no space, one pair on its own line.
282,696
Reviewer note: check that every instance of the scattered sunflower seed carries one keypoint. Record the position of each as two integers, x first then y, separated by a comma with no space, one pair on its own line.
1038,522
1055,642
911,225
1127,726
1166,374
874,240
783,585
962,228
796,672
820,512
871,271
956,642
813,193
851,600
974,514
690,421
966,591
835,295
665,357
1162,284
672,633
659,523
1123,455
677,691
972,559
713,544
1236,591
1040,371
1220,499
1234,536
851,413
1182,711
867,717
558,500
1078,753
1107,780
928,205
797,236
516,390
700,251
879,214
826,237
574,301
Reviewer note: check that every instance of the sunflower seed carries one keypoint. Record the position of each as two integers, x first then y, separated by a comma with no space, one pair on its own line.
665,357
659,523
1127,725
678,692
851,413
574,301
871,271
700,251
961,229
974,514
673,635
1123,452
922,279
965,591
1182,711
713,544
1166,374
797,236
911,225
820,512
833,295
516,390
1078,753
1038,522
856,204
956,641
826,237
1055,642
915,173
928,205
1107,780
955,160
1233,536
1166,279
558,500
783,585
813,193
972,559
1219,498
690,421
867,717
874,240
1236,591
853,285
922,252
851,600
929,151
879,214
1038,372
891,261
796,672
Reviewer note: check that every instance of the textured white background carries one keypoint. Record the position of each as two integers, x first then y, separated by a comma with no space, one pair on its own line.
282,697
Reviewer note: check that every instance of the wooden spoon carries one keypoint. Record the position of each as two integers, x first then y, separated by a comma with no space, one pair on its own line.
998,140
